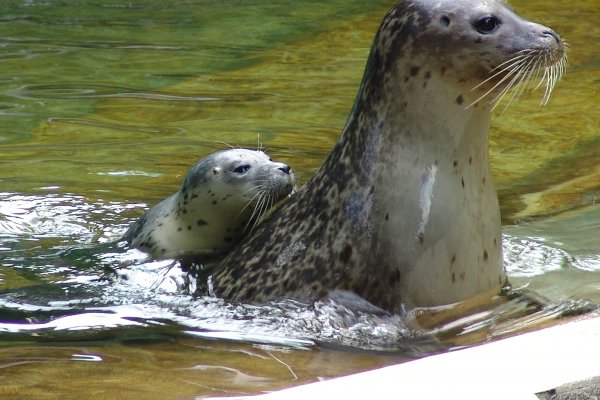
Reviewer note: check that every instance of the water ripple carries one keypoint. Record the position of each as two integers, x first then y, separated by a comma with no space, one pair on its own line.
87,91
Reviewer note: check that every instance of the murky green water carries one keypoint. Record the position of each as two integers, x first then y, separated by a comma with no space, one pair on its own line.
105,104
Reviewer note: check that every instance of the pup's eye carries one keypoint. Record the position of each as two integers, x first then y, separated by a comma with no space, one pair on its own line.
487,25
242,169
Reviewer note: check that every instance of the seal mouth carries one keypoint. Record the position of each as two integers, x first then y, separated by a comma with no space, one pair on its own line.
519,73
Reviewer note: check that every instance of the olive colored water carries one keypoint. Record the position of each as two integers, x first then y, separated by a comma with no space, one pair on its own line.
105,104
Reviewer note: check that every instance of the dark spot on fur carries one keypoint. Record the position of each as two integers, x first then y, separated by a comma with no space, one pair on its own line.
189,227
201,222
323,216
462,182
395,276
387,216
194,196
470,160
455,163
485,255
414,71
459,99
495,242
443,70
421,238
427,75
179,229
214,202
453,259
395,27
346,254
453,277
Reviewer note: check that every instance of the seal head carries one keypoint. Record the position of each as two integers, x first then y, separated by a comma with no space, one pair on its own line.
404,210
221,199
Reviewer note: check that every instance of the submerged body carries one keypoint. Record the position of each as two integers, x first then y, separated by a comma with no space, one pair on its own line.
220,200
404,211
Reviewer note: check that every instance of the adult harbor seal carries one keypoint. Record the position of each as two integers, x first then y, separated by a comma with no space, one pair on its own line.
221,198
404,210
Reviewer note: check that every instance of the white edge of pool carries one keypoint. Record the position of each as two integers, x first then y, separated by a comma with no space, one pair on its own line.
514,368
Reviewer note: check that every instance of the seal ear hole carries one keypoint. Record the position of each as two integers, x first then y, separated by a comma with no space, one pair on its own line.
444,21
487,25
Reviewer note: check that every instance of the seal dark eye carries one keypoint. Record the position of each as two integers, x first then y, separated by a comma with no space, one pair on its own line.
242,169
487,25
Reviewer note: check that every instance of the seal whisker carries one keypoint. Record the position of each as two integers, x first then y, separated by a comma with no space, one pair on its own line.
516,63
260,147
511,63
253,188
251,201
516,83
510,73
259,209
256,212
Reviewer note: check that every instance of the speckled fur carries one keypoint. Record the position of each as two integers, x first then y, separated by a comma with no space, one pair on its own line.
214,208
404,210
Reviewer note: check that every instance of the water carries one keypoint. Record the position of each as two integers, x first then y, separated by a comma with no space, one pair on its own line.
104,106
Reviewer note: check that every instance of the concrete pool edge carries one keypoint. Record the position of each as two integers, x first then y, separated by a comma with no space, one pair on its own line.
513,368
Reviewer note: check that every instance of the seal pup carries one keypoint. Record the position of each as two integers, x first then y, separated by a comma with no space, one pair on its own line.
222,198
404,211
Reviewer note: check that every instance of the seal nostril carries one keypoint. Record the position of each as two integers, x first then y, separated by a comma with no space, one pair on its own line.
550,32
286,169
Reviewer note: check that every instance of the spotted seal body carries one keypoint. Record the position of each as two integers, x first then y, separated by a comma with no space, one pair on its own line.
404,210
220,199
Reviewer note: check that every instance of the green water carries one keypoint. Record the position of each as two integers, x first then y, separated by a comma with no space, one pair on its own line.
105,104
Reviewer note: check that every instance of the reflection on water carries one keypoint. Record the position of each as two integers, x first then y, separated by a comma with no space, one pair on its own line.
105,105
